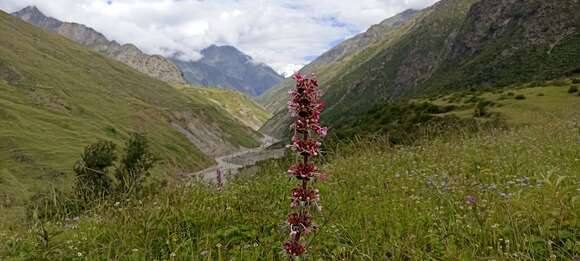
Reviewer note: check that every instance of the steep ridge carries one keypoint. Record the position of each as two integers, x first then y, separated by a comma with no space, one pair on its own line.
57,96
453,45
329,62
227,67
153,65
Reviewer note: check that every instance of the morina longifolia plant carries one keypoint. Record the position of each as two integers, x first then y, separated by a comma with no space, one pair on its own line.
305,108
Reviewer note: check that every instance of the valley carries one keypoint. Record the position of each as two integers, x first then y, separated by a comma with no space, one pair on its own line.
442,131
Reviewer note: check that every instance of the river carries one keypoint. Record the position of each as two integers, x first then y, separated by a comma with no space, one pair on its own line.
232,163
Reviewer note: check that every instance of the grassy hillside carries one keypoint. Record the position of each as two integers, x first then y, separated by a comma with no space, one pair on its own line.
240,106
518,105
56,97
381,202
454,45
332,62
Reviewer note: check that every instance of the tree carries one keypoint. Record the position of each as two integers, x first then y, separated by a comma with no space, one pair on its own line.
135,164
91,170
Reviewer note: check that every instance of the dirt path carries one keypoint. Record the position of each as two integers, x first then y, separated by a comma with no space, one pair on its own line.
232,163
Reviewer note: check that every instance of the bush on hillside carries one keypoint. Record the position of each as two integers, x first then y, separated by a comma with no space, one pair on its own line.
135,164
560,83
92,177
520,97
576,81
573,89
480,110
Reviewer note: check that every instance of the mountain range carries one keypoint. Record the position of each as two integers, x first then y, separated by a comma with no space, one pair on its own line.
152,65
227,67
58,96
452,45
220,66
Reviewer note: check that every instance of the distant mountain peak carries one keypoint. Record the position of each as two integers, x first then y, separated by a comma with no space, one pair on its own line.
34,16
31,9
227,67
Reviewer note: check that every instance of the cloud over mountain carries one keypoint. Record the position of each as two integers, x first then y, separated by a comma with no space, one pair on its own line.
282,33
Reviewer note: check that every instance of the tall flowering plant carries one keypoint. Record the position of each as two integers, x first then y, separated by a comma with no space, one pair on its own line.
305,108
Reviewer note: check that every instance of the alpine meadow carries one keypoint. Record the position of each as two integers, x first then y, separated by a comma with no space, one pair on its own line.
276,130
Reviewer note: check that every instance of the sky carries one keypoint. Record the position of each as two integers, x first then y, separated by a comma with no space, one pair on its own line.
285,34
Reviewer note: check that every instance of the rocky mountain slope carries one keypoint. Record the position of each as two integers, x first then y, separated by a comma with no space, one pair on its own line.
57,96
153,65
227,67
455,44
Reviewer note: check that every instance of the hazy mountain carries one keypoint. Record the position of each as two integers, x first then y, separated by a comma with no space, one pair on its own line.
152,65
227,67
452,45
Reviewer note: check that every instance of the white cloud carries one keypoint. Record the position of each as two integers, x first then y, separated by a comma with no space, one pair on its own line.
280,33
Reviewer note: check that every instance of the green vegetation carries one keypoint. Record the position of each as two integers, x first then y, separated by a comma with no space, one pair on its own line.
135,165
57,96
455,45
450,193
92,171
506,195
240,106
486,173
402,122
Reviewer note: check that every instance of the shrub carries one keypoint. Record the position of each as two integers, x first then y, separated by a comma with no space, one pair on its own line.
576,81
540,94
560,83
92,179
573,89
520,97
480,110
135,164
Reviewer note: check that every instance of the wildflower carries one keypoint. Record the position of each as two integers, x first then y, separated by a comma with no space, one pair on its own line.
471,200
294,248
305,107
219,179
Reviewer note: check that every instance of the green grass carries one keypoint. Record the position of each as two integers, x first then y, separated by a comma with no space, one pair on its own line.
382,202
541,103
403,121
56,97
242,107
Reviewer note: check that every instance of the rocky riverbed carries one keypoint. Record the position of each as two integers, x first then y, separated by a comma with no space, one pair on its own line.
231,164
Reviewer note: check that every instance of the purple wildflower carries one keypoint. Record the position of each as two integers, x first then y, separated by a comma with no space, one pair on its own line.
471,200
305,107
